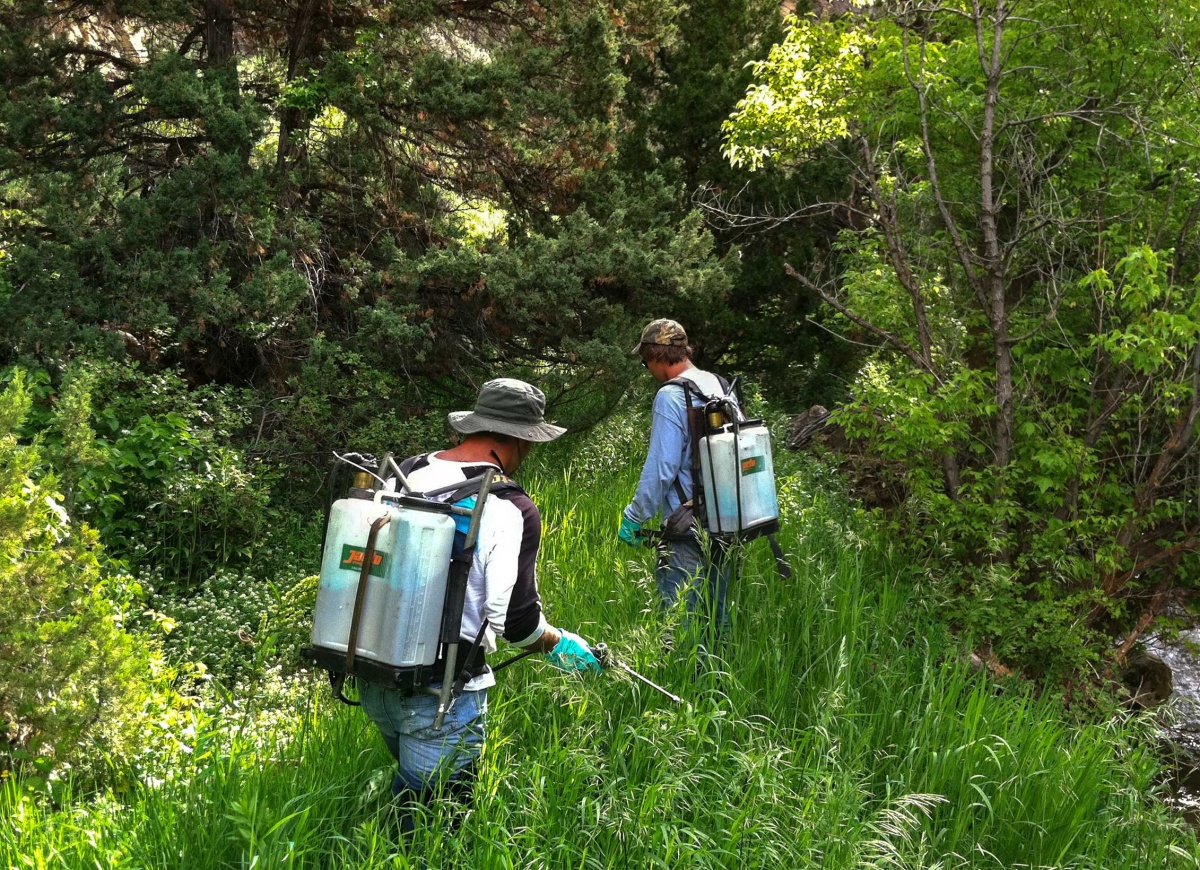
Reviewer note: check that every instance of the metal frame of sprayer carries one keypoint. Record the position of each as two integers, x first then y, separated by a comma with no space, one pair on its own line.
716,412
718,415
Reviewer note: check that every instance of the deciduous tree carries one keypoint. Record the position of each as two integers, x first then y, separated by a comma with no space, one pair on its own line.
1021,244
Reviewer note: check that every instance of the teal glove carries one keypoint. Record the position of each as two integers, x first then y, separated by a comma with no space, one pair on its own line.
628,531
572,653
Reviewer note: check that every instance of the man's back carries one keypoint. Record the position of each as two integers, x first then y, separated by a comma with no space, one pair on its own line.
502,585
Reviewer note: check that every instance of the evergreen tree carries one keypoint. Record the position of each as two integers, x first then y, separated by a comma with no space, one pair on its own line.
73,680
262,193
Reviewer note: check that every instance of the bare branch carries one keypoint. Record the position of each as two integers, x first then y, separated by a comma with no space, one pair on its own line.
887,337
1048,318
721,210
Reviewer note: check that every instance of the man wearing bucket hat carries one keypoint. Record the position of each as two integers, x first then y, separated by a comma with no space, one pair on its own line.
508,419
689,568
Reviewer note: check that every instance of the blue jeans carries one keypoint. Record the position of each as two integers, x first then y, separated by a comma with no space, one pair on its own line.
426,757
698,572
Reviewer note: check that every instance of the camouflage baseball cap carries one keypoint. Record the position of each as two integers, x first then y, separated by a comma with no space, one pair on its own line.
662,331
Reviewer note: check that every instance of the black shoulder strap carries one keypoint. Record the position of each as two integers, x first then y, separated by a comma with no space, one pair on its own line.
468,488
406,468
689,389
465,489
694,417
728,388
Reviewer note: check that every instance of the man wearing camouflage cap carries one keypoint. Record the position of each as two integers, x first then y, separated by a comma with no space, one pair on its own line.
688,567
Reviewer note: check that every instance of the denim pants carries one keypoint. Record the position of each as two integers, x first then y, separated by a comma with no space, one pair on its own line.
698,572
425,756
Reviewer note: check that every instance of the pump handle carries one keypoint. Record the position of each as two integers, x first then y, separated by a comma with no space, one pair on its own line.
361,590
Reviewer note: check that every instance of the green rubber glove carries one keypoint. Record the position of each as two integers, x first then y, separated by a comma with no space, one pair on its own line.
628,531
572,653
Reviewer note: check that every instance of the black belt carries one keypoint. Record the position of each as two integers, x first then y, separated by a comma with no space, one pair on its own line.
407,680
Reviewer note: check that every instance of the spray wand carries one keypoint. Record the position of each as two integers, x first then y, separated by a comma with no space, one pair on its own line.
606,659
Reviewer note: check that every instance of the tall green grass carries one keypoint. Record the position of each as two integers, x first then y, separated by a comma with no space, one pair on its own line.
838,727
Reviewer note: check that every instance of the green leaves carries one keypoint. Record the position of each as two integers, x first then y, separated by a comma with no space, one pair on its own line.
1162,323
72,679
1016,183
806,95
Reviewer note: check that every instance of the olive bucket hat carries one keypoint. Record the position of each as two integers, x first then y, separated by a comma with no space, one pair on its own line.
510,407
664,332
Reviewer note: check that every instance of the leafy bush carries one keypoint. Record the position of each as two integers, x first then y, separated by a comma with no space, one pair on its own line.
1031,291
239,624
73,681
153,467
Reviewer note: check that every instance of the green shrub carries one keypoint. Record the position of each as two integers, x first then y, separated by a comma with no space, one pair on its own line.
844,731
73,681
237,624
154,468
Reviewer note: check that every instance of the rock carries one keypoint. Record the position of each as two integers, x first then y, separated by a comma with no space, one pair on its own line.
985,659
804,427
1148,679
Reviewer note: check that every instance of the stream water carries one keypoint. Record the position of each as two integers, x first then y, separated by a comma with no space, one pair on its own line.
1181,718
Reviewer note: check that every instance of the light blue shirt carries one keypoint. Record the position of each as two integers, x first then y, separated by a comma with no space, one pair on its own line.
670,454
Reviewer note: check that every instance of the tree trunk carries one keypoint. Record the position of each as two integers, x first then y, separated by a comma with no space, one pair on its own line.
304,47
218,18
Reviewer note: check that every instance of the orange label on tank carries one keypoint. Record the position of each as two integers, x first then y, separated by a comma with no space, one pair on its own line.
352,560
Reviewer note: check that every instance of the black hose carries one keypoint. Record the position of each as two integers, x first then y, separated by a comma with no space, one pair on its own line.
512,661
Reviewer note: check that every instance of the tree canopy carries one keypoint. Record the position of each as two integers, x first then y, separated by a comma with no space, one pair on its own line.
266,194
1020,241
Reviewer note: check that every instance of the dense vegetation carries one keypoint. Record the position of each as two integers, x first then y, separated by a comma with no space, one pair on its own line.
844,730
235,236
1021,241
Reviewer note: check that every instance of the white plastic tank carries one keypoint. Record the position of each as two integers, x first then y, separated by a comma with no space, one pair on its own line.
406,588
731,464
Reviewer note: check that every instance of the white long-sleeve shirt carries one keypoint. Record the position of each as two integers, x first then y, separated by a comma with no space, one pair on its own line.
502,584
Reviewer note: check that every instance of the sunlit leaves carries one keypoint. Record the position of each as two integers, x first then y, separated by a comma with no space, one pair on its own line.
72,678
1162,327
1024,211
805,94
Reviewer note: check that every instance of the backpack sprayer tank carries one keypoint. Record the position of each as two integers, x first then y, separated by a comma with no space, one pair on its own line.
394,574
390,598
738,473
405,588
